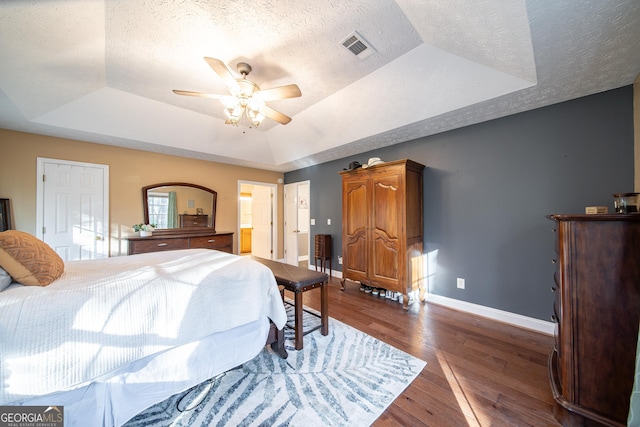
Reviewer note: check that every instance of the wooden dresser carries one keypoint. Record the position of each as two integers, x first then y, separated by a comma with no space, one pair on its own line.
189,221
167,240
597,310
382,226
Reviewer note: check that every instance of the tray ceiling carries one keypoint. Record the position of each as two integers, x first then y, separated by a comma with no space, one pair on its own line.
103,71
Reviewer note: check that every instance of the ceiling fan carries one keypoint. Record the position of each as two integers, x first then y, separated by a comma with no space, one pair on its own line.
246,96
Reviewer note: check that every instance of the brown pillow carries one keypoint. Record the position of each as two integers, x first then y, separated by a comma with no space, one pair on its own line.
28,260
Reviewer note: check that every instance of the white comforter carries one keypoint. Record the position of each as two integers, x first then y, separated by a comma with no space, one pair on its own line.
102,314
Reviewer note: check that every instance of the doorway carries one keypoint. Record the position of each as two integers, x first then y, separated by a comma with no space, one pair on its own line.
72,208
257,218
297,222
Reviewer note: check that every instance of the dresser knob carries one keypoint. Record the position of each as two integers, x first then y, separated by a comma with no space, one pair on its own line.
162,244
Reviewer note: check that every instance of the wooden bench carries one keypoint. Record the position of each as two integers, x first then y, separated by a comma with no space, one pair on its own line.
299,280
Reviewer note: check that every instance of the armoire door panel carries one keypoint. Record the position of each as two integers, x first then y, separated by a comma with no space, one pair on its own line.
387,201
384,260
355,229
355,197
357,260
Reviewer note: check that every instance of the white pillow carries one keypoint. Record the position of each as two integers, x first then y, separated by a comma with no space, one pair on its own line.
5,279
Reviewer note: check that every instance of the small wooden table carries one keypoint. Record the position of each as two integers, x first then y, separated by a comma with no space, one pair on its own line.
323,252
299,280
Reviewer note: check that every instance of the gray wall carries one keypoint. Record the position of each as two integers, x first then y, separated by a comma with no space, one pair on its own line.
489,187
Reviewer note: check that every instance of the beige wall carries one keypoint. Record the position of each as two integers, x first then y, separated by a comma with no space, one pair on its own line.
129,171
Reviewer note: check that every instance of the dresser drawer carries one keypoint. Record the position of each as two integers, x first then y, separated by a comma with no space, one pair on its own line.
155,245
188,221
221,243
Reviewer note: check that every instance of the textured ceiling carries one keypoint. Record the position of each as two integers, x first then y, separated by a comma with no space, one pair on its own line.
103,71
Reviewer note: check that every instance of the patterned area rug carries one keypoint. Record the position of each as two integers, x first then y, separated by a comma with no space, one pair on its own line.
346,378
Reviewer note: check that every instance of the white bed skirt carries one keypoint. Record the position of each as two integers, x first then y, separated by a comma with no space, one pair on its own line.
115,398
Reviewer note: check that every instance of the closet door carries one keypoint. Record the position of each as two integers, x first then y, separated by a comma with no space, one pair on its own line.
387,219
355,227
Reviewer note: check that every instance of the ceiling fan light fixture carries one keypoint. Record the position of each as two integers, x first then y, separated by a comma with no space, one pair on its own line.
232,109
254,112
246,97
255,117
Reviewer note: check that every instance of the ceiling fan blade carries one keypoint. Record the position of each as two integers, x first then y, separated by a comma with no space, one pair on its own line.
275,115
198,94
280,92
223,71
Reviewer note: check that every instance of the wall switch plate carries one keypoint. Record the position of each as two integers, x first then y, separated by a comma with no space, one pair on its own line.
460,283
313,221
339,259
328,221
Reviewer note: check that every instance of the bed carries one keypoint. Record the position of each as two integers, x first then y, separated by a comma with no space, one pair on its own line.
108,338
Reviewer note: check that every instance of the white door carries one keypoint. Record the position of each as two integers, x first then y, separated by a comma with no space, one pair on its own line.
296,222
263,216
291,224
262,221
72,208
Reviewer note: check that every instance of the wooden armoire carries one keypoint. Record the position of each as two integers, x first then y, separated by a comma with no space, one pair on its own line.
382,227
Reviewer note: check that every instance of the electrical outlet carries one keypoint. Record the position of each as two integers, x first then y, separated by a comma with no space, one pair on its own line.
460,283
313,221
328,221
339,259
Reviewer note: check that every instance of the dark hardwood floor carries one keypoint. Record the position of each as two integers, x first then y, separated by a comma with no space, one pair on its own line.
479,372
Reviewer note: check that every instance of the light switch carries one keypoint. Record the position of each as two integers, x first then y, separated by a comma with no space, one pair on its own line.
313,221
328,221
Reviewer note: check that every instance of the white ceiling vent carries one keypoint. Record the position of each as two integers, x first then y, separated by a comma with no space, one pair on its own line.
357,45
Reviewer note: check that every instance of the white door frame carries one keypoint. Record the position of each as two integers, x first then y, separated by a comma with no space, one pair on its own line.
274,214
307,225
40,196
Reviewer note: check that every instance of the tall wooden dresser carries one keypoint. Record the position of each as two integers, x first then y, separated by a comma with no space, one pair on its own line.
382,226
597,309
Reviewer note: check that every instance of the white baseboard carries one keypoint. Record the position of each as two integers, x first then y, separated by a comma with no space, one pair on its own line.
515,319
538,325
334,273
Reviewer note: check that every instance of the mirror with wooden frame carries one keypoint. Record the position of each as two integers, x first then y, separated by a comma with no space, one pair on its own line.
179,205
